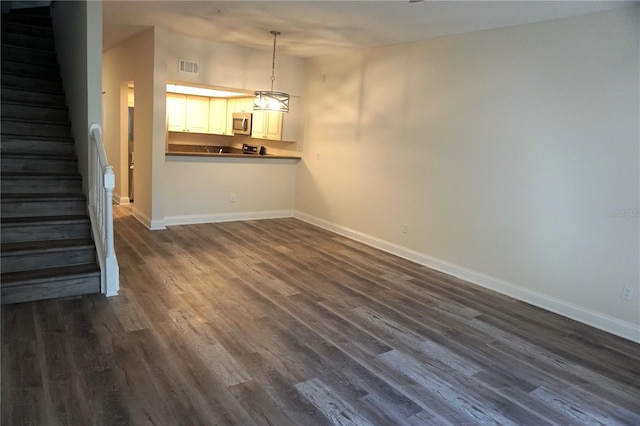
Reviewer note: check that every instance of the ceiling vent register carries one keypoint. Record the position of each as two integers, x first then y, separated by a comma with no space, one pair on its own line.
188,66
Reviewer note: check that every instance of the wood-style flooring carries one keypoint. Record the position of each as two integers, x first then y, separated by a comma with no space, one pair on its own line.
277,322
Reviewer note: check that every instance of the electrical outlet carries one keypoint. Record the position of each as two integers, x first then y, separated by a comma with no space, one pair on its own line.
232,197
405,228
318,155
627,293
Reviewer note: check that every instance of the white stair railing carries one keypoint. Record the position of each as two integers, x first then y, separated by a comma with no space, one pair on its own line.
101,184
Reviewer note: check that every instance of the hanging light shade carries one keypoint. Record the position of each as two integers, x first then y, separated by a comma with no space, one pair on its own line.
268,100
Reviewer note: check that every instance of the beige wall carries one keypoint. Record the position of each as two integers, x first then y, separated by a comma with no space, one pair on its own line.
133,61
508,153
226,65
199,189
78,47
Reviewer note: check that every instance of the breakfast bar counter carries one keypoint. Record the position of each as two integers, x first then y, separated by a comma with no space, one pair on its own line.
220,151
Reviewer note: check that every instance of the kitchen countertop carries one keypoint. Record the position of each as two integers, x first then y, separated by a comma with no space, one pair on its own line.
214,151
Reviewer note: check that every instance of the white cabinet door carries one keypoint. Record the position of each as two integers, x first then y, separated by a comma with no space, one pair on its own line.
176,112
273,127
244,105
258,124
267,125
217,116
187,113
197,114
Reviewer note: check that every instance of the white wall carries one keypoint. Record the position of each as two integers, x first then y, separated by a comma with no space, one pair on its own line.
78,36
507,152
133,61
223,64
199,189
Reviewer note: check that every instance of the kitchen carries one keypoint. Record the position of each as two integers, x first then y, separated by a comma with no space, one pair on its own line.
238,187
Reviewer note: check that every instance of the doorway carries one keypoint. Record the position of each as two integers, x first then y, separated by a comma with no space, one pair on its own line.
130,139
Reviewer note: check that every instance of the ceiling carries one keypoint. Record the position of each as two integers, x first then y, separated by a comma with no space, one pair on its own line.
314,28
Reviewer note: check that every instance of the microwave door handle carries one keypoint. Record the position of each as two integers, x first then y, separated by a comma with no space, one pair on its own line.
244,124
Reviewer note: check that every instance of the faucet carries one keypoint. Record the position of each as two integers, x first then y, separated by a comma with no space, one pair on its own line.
220,151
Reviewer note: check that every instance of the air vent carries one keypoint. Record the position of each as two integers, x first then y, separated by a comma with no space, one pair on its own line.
188,66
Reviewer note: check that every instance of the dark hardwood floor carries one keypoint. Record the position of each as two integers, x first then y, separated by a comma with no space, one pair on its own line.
277,322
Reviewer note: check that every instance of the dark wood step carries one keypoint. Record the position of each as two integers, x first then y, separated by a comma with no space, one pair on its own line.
30,256
46,228
40,205
33,83
28,163
35,10
31,40
34,129
25,68
34,112
37,146
41,21
23,54
23,28
25,96
39,183
44,284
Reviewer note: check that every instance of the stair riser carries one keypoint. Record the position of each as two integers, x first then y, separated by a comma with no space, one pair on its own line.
30,146
51,290
21,54
32,112
12,209
36,21
22,68
28,40
32,83
29,233
22,28
41,186
29,97
58,259
13,165
25,128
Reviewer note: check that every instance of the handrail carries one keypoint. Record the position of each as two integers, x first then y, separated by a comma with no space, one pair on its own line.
101,184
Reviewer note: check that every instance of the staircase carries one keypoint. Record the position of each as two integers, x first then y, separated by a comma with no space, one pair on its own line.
47,250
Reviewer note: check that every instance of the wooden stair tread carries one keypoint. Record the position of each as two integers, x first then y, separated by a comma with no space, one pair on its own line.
44,220
41,196
16,103
22,278
45,246
40,175
37,139
33,11
28,155
31,76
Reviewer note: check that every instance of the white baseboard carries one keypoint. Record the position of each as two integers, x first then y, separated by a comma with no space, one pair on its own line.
603,322
119,200
153,225
226,217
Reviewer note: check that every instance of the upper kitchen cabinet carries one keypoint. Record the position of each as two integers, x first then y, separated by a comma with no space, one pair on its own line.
217,116
277,125
187,113
267,125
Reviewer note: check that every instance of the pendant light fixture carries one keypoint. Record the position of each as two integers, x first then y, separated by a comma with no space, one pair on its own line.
270,100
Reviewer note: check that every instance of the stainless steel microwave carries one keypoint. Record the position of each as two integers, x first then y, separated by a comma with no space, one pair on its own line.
241,123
